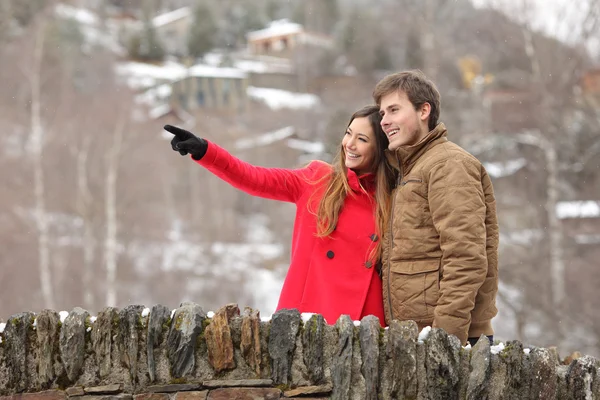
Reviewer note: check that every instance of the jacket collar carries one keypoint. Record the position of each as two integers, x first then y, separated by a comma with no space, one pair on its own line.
363,182
408,155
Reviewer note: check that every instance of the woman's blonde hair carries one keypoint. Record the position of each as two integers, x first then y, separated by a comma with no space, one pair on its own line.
338,188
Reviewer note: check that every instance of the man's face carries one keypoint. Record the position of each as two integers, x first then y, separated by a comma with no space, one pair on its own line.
401,122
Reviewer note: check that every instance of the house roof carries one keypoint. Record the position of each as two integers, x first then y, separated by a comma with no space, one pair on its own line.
276,28
171,16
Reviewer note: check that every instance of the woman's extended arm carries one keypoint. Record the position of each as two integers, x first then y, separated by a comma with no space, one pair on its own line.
272,183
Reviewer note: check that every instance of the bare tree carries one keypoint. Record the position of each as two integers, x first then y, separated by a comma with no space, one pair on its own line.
110,244
36,147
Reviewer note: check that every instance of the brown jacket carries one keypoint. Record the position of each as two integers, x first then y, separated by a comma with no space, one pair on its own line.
440,256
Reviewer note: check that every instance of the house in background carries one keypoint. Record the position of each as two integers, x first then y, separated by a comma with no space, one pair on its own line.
590,87
205,86
590,82
171,27
282,37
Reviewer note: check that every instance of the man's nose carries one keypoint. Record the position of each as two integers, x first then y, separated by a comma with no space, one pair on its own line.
384,122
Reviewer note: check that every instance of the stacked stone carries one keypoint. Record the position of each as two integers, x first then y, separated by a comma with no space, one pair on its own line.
185,355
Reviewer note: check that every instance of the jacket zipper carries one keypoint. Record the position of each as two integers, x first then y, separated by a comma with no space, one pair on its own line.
417,180
391,243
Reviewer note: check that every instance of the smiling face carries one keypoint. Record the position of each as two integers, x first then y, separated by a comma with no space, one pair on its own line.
401,122
358,146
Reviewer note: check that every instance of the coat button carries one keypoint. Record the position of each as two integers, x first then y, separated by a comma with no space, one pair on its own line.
330,254
368,264
374,237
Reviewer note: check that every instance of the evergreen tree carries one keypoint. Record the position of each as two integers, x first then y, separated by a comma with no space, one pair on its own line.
146,45
414,53
24,11
383,61
317,15
201,37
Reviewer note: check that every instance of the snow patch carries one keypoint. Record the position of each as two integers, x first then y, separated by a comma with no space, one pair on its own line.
159,111
210,314
505,168
277,99
306,146
356,323
203,70
276,28
171,16
2,326
587,239
306,316
145,312
78,14
578,209
496,349
424,334
264,139
63,315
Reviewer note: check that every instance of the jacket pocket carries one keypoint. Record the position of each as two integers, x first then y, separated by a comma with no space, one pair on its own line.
415,288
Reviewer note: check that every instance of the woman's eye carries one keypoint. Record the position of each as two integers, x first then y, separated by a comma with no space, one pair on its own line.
363,140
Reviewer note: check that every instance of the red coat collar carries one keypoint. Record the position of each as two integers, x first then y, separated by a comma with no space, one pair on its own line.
363,182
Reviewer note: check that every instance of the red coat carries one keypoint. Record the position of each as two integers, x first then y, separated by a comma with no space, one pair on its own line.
329,276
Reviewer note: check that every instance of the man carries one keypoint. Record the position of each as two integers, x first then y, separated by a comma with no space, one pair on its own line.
440,254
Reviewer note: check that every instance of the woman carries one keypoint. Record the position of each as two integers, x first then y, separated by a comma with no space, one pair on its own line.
340,211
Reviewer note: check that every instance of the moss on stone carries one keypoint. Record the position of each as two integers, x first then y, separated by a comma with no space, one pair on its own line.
167,324
381,335
178,321
283,387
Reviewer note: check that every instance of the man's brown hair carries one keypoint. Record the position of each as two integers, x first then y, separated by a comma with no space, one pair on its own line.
418,89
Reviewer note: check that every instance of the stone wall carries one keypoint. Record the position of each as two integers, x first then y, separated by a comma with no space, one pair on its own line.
185,355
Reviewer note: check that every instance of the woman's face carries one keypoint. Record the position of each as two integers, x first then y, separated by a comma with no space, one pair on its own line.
358,146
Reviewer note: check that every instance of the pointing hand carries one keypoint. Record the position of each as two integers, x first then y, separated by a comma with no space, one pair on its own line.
186,142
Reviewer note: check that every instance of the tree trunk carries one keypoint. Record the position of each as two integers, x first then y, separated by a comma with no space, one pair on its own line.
428,42
37,144
556,251
110,244
84,200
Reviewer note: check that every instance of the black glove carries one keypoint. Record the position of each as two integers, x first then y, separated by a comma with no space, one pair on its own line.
187,143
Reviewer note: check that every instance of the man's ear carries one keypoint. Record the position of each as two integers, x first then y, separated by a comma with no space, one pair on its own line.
424,111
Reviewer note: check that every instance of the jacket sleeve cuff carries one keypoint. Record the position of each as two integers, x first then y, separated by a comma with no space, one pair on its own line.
211,156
